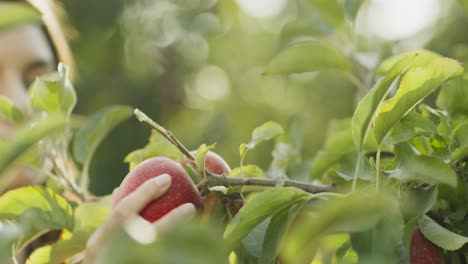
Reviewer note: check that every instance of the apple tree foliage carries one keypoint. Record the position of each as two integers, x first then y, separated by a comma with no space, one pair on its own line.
397,164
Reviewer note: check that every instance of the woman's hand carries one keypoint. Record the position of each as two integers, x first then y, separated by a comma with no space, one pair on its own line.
125,215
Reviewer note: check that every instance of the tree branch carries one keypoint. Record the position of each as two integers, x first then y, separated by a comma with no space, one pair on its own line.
142,117
217,180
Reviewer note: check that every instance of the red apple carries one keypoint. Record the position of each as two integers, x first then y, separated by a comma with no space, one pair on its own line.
213,163
182,189
216,164
423,251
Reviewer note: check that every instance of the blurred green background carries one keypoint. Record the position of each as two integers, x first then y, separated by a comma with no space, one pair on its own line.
195,66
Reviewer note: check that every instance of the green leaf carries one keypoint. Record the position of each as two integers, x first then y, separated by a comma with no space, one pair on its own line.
428,169
412,125
355,212
418,201
381,243
415,85
200,156
283,154
248,171
9,111
253,242
8,233
188,243
260,207
158,146
337,145
308,57
351,8
28,135
441,236
37,209
409,229
61,250
453,96
329,13
277,228
265,132
366,110
460,136
90,135
12,13
389,63
53,93
300,28
89,216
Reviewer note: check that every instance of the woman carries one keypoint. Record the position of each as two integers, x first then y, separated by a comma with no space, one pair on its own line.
31,46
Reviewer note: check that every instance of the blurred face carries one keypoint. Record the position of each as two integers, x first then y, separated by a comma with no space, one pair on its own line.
25,53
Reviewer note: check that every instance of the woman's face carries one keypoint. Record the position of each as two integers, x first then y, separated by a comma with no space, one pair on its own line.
25,53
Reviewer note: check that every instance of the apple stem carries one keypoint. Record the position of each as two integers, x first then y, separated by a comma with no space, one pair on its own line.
218,180
142,117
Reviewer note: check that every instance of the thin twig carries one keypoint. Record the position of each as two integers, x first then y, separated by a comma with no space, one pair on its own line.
142,117
223,180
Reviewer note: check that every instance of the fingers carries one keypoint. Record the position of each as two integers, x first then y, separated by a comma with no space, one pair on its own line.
180,213
128,207
138,199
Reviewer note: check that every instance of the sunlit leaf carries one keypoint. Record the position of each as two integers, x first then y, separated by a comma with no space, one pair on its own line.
157,146
37,209
366,110
60,251
308,57
249,171
265,132
260,207
53,93
441,236
28,135
389,63
17,13
9,111
87,218
415,85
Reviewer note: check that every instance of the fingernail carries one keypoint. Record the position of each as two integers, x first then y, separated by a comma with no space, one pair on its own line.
188,209
163,180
